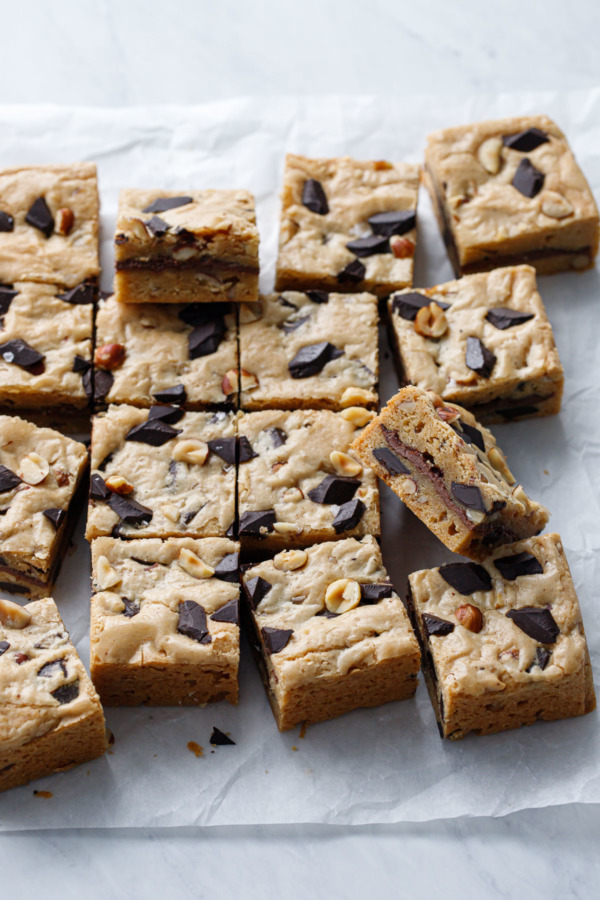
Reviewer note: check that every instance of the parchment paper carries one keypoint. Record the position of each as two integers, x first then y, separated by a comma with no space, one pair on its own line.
371,766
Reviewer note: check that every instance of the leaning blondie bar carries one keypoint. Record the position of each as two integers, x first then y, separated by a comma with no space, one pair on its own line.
503,643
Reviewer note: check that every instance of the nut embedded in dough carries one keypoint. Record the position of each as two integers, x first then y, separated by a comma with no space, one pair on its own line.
193,565
342,595
12,615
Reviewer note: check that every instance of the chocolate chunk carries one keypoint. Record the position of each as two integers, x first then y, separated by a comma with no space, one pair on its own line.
98,489
283,301
470,435
55,515
205,339
165,203
201,313
80,364
312,358
313,197
349,515
318,296
373,593
192,622
52,668
157,226
132,608
4,645
40,217
256,589
390,461
130,511
230,612
7,223
327,614
369,246
527,179
223,447
7,295
502,317
469,495
408,305
82,293
514,412
8,479
292,325
254,520
479,358
275,639
67,692
168,414
228,568
466,578
245,449
525,141
537,623
542,657
433,625
353,273
153,432
393,222
20,353
278,436
103,381
218,737
175,394
510,567
334,489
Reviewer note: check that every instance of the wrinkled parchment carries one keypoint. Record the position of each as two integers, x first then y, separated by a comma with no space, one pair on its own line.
372,766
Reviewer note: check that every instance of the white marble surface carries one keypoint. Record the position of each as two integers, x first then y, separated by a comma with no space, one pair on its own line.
140,51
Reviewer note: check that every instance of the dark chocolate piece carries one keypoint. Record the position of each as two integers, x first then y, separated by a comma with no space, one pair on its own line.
511,567
373,593
256,589
349,515
40,217
82,293
7,223
527,179
277,435
67,692
205,338
192,622
131,607
51,668
390,461
20,353
201,313
56,516
525,141
470,434
393,222
369,246
228,568
275,639
245,449
230,612
253,520
334,489
162,204
502,317
8,479
157,226
175,394
223,447
537,623
408,305
433,625
292,325
312,358
168,414
466,578
4,645
542,658
515,411
469,495
98,489
103,381
353,273
313,197
318,296
129,511
80,364
7,295
153,432
218,737
479,358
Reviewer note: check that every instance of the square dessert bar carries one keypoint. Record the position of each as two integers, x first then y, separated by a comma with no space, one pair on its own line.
483,341
197,247
186,354
298,482
510,191
165,621
331,634
448,470
49,224
42,488
50,715
309,350
45,348
162,472
347,225
502,642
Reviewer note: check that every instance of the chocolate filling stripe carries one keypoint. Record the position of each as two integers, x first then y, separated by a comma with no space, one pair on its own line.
206,264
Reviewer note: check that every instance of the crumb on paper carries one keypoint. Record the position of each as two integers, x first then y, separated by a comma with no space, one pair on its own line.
303,730
546,472
45,795
195,748
294,748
